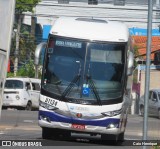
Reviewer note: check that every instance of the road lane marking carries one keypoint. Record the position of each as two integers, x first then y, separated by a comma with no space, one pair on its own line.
28,121
8,128
1,133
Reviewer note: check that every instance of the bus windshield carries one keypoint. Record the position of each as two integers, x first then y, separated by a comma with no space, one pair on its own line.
84,72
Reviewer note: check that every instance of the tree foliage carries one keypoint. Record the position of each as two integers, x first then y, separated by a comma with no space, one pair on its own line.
27,45
27,42
26,5
27,70
136,54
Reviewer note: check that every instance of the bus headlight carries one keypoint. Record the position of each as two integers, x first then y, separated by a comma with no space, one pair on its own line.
112,113
112,125
17,97
47,119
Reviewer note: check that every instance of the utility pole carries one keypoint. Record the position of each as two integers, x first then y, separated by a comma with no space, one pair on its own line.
33,28
157,2
17,45
33,25
7,9
158,13
157,9
147,74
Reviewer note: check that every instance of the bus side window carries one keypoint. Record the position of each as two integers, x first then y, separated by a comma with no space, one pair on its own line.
36,86
28,86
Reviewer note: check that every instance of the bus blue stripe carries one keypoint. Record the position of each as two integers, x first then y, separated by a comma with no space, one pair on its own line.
95,122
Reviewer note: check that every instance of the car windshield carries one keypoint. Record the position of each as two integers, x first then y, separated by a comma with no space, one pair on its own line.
78,70
14,84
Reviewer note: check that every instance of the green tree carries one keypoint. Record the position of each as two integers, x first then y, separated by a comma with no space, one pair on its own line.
22,6
26,5
27,70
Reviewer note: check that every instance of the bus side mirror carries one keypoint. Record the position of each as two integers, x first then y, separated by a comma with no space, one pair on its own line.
38,52
130,64
38,55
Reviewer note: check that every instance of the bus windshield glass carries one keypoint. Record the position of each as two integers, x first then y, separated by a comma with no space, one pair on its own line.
84,72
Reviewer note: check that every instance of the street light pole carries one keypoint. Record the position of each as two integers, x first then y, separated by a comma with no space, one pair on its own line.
157,2
147,74
17,46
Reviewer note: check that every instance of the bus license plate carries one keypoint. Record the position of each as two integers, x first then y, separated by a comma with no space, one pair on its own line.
77,126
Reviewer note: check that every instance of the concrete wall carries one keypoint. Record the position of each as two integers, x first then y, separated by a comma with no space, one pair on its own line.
154,80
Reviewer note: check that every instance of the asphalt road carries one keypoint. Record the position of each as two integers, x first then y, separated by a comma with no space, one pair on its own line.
23,125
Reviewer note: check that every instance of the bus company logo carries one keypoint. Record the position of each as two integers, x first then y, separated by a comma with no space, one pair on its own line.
79,115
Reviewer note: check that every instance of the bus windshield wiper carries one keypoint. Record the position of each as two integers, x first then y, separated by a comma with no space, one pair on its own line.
92,85
70,86
72,83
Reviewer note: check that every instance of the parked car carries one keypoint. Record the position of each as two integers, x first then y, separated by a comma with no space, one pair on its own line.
153,103
21,93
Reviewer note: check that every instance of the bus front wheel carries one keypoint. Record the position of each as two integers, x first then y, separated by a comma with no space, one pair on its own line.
121,137
51,133
46,133
110,138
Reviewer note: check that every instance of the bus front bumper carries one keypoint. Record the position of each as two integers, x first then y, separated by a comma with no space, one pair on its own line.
110,129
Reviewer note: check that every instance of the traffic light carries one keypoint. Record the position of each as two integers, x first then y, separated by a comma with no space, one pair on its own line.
92,2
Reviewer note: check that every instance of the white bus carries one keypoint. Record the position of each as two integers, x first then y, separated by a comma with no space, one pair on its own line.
84,80
21,93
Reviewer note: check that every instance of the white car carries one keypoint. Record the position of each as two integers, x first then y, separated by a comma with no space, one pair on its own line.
21,93
153,103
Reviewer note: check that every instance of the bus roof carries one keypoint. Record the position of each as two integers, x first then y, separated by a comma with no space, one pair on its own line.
90,29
